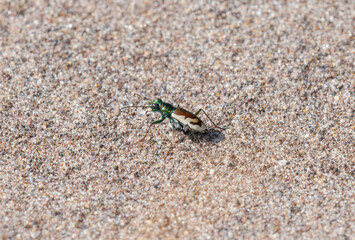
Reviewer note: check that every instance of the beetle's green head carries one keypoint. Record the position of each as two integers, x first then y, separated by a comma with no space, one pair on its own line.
156,105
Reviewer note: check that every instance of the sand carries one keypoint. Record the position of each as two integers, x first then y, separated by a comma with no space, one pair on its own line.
279,76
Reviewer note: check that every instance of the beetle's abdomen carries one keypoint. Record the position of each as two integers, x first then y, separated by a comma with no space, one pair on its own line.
189,119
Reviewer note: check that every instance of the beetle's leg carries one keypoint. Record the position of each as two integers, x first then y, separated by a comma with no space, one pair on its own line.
150,126
192,132
159,121
207,117
172,139
174,128
195,138
146,133
172,136
198,111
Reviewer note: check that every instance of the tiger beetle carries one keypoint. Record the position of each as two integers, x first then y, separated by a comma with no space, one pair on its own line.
179,118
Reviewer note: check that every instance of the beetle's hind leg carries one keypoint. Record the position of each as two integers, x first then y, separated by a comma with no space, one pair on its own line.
208,118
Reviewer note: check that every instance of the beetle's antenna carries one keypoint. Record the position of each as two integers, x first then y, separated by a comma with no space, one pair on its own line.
136,107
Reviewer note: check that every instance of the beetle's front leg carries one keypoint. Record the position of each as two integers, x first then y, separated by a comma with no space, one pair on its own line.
159,121
150,126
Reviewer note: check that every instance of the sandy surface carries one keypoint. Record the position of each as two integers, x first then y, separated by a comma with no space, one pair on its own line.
278,75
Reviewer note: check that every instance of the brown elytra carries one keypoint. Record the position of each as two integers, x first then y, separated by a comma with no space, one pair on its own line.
188,118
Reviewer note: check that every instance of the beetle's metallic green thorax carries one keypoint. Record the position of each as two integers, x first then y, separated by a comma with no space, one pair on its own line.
165,109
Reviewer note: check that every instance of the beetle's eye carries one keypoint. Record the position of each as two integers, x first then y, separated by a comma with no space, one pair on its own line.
155,106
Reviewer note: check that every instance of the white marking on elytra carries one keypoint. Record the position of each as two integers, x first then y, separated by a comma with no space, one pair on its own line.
188,121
